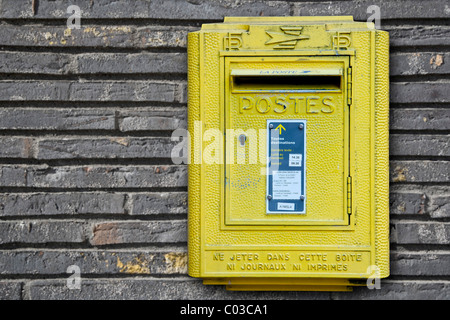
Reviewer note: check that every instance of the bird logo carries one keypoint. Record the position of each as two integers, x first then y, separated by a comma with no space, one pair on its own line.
287,39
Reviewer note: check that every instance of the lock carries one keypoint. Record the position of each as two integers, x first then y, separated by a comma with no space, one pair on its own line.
300,131
242,139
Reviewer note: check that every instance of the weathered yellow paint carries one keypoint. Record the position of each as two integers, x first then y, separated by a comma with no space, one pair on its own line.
176,262
343,237
92,30
137,266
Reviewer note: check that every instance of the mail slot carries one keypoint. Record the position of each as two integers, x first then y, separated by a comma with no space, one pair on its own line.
288,164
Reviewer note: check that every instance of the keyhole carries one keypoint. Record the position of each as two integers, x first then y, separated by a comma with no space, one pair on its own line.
242,139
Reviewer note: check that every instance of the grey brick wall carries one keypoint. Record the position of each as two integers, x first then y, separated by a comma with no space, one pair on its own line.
86,177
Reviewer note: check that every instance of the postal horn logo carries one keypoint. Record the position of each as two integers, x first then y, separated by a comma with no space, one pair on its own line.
286,39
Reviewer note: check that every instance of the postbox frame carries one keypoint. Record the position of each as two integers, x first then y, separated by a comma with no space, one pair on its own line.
208,250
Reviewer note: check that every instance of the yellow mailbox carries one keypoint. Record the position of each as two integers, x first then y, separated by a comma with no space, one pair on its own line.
288,165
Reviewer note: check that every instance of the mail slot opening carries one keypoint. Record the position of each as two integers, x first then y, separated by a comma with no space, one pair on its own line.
287,82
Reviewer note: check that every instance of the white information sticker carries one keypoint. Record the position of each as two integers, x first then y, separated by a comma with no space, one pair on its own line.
287,185
285,206
295,160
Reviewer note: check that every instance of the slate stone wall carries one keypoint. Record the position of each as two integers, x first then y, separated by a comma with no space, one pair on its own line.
86,117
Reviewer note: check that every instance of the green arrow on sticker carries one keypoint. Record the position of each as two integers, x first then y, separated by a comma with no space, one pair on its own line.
280,127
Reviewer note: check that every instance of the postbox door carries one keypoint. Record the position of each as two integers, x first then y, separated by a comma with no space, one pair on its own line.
287,128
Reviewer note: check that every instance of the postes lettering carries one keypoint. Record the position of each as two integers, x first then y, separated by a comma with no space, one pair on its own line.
278,105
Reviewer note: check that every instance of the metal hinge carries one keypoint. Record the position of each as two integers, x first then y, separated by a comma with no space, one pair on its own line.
349,86
349,195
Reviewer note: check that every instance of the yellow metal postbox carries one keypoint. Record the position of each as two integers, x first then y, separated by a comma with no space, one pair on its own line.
288,165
